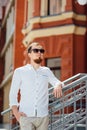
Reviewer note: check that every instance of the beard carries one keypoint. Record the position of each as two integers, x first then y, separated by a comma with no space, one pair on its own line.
38,61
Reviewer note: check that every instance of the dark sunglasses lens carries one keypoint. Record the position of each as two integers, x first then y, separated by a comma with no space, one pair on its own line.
35,50
42,51
38,50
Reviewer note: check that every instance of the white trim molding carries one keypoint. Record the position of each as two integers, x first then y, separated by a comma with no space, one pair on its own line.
59,30
49,19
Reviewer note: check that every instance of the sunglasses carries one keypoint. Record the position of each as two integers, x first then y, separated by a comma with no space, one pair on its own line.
38,50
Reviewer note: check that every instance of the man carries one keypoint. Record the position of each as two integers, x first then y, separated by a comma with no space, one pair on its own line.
32,80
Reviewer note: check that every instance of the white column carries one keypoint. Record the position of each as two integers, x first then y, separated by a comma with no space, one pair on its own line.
44,7
63,5
30,8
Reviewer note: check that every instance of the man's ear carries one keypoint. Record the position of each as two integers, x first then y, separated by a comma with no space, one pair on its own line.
29,54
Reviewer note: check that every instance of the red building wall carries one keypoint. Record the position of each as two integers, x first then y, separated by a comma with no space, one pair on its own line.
18,36
71,47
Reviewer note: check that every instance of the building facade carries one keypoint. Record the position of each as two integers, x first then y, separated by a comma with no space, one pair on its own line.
60,25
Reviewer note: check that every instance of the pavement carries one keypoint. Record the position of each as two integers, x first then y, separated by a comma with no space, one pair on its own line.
2,129
4,126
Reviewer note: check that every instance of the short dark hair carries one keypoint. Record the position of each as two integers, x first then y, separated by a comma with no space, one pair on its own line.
29,49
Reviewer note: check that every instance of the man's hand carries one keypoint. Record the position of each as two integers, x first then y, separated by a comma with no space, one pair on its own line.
16,113
19,114
58,91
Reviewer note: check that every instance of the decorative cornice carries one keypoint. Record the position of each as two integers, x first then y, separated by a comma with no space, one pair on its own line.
59,30
49,19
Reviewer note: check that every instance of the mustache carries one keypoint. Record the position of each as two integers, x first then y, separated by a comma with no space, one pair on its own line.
38,61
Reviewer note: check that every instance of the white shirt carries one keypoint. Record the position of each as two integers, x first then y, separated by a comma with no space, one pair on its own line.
33,85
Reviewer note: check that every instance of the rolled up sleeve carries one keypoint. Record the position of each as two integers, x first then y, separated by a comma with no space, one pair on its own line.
15,85
53,80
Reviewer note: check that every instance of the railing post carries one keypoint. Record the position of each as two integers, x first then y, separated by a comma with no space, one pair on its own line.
75,110
86,104
9,121
51,118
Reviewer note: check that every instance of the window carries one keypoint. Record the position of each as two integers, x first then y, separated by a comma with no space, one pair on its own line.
8,60
30,9
54,6
10,21
55,65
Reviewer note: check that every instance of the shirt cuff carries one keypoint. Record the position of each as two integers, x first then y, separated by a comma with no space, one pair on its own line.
60,83
14,105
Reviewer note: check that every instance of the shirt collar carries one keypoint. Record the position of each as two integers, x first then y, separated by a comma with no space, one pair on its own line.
29,65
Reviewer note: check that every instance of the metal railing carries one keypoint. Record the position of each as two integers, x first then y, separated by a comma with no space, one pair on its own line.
68,112
13,124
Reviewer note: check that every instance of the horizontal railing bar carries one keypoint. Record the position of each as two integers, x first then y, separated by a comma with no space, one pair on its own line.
15,128
6,111
68,98
75,124
70,116
75,83
72,78
72,84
